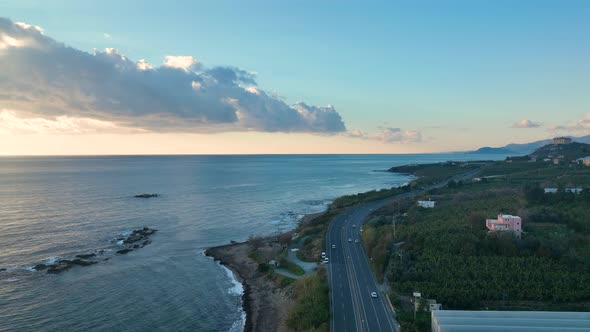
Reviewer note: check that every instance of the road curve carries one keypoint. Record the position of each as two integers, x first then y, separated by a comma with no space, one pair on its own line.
352,308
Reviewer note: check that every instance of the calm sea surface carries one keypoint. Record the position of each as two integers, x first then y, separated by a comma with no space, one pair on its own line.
57,207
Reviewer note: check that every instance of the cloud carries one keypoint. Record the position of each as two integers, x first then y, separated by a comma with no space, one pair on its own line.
526,124
580,125
12,123
107,36
388,135
185,62
46,79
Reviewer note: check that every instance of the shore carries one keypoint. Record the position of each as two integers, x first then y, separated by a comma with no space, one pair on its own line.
266,306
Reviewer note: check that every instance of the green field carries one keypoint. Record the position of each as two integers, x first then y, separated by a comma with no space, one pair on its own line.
447,254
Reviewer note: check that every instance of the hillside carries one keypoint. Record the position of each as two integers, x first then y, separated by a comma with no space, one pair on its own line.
448,255
570,151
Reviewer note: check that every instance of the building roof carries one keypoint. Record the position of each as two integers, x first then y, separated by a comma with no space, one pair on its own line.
507,321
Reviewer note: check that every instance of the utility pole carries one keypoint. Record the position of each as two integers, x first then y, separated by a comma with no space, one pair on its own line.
417,296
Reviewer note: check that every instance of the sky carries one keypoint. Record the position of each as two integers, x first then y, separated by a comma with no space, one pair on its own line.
217,77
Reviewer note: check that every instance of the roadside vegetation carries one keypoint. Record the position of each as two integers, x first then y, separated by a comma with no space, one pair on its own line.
314,232
312,309
265,250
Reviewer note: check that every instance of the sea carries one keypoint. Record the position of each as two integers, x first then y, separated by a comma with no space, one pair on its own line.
54,208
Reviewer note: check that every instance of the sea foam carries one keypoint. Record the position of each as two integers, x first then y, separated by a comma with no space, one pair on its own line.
237,289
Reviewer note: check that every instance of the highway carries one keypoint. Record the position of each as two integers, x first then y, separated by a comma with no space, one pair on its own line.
352,308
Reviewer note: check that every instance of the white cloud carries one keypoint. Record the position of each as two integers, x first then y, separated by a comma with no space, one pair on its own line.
144,65
49,79
388,135
107,36
26,26
526,124
181,61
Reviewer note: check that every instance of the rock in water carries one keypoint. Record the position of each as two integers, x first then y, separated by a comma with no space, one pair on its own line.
124,251
146,195
40,267
82,262
85,256
55,269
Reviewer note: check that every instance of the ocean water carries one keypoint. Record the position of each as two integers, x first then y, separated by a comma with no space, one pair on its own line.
57,207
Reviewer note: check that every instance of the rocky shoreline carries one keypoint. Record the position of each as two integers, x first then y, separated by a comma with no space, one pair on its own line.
138,238
266,306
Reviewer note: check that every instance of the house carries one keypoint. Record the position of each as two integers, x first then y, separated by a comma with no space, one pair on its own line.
505,223
550,190
574,190
562,140
426,204
555,161
428,305
584,161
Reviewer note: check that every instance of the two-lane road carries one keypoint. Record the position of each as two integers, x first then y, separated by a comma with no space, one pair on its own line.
352,306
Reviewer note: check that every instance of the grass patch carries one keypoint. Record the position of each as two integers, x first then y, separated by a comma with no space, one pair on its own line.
290,266
312,309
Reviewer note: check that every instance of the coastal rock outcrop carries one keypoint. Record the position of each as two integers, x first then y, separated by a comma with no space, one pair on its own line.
146,195
63,265
138,238
86,256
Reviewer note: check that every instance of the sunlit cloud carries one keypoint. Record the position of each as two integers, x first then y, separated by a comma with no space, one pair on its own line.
525,123
42,77
388,135
11,122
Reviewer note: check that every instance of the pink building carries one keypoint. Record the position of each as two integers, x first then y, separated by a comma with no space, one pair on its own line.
505,222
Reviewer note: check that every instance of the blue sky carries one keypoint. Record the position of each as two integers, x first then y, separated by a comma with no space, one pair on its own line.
435,66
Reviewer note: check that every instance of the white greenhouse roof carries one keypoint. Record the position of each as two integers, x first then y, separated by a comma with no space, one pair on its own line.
507,321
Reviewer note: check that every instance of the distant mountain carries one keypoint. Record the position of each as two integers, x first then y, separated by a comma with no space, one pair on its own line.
526,148
489,150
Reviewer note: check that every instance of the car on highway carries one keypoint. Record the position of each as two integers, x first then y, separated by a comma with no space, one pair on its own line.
333,246
353,225
349,240
374,294
356,240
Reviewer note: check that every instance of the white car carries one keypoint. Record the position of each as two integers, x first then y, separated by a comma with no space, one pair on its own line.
374,294
356,241
353,225
349,240
333,246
